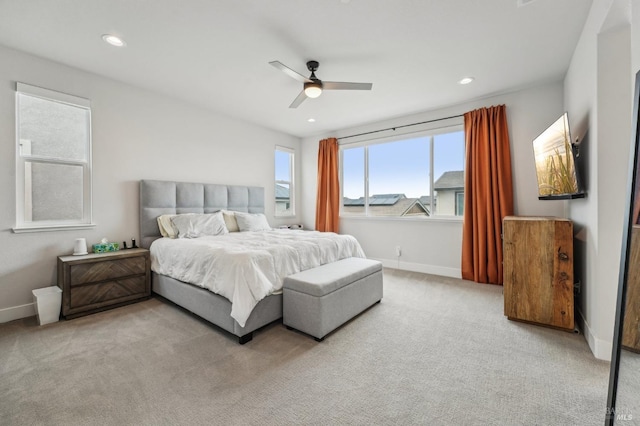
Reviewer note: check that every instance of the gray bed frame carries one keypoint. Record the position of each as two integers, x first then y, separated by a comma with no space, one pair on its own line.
167,197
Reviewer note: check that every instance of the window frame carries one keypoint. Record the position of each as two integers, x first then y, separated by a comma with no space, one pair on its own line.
450,126
291,212
22,161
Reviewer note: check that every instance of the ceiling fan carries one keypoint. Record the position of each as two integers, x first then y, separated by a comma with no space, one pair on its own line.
313,86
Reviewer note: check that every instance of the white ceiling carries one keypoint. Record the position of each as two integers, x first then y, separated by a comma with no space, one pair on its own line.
215,53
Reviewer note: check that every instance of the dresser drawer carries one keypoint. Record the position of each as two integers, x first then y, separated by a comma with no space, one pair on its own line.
106,270
93,295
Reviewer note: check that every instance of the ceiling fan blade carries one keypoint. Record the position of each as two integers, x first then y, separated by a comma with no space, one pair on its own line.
338,85
288,71
297,101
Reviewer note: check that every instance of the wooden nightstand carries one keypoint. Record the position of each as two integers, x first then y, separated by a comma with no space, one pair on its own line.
99,281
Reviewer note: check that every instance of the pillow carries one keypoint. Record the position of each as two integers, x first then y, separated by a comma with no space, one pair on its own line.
199,225
166,227
230,220
252,222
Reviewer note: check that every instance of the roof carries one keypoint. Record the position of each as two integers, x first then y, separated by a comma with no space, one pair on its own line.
282,192
450,180
374,200
401,207
426,200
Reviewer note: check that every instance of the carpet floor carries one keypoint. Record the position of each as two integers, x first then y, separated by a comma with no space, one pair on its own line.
435,351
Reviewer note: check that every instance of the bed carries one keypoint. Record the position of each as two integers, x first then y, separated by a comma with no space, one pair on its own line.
167,197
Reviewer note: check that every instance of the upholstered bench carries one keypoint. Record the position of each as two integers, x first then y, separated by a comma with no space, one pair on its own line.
319,300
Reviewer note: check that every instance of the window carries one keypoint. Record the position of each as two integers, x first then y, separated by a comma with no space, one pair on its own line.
418,175
459,203
284,182
53,160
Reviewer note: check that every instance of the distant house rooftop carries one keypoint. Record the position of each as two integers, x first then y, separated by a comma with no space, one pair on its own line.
450,180
426,200
282,192
375,200
387,205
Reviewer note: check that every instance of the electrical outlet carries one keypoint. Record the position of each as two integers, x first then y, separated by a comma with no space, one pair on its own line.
398,251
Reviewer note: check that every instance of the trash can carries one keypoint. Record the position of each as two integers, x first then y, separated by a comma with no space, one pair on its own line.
47,302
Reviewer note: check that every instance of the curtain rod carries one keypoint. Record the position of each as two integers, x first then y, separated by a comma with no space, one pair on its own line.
400,127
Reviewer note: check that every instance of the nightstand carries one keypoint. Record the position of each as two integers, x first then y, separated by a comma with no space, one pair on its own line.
99,281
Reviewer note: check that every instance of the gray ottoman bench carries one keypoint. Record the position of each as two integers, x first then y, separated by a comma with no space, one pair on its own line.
319,300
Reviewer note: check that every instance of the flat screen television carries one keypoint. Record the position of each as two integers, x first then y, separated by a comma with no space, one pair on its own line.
555,158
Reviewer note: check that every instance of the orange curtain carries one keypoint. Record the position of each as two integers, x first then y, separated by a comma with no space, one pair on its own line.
328,199
488,195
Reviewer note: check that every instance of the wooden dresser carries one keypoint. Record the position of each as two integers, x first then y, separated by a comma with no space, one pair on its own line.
538,270
99,281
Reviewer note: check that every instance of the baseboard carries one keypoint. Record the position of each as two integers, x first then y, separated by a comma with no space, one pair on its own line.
421,267
17,312
601,349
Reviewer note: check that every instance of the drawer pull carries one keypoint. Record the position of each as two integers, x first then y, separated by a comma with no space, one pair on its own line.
564,276
563,256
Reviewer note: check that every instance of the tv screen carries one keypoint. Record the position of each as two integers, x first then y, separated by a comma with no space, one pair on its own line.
555,163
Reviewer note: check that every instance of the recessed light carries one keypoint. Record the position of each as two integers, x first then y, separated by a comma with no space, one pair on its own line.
113,40
311,120
466,80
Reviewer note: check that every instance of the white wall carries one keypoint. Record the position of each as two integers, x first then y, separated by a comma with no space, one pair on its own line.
136,135
598,95
435,246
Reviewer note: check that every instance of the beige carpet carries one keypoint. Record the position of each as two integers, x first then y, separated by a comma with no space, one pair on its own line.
436,351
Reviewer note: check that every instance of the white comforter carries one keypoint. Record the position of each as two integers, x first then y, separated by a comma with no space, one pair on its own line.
246,267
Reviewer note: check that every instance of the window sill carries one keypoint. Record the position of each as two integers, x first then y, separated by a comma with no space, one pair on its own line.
45,228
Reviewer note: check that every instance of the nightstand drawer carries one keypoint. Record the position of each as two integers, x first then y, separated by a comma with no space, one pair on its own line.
106,270
87,296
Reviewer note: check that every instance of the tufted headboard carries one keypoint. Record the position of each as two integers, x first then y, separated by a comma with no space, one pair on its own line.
158,197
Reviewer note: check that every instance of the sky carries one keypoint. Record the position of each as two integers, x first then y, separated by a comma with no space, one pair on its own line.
401,167
282,165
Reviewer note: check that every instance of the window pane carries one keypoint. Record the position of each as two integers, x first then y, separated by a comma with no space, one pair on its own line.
52,129
399,178
53,191
283,165
353,181
448,165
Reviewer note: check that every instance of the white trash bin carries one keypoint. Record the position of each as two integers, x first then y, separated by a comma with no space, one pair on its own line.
47,301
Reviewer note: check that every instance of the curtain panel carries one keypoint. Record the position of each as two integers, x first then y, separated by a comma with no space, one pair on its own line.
328,198
488,195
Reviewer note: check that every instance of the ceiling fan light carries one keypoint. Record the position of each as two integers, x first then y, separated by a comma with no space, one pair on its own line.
312,90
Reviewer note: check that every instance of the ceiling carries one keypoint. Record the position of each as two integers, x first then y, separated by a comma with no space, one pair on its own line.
216,53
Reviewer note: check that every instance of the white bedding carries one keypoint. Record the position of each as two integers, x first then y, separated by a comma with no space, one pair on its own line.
246,267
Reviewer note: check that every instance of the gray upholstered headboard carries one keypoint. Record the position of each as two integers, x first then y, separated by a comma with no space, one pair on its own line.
158,197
